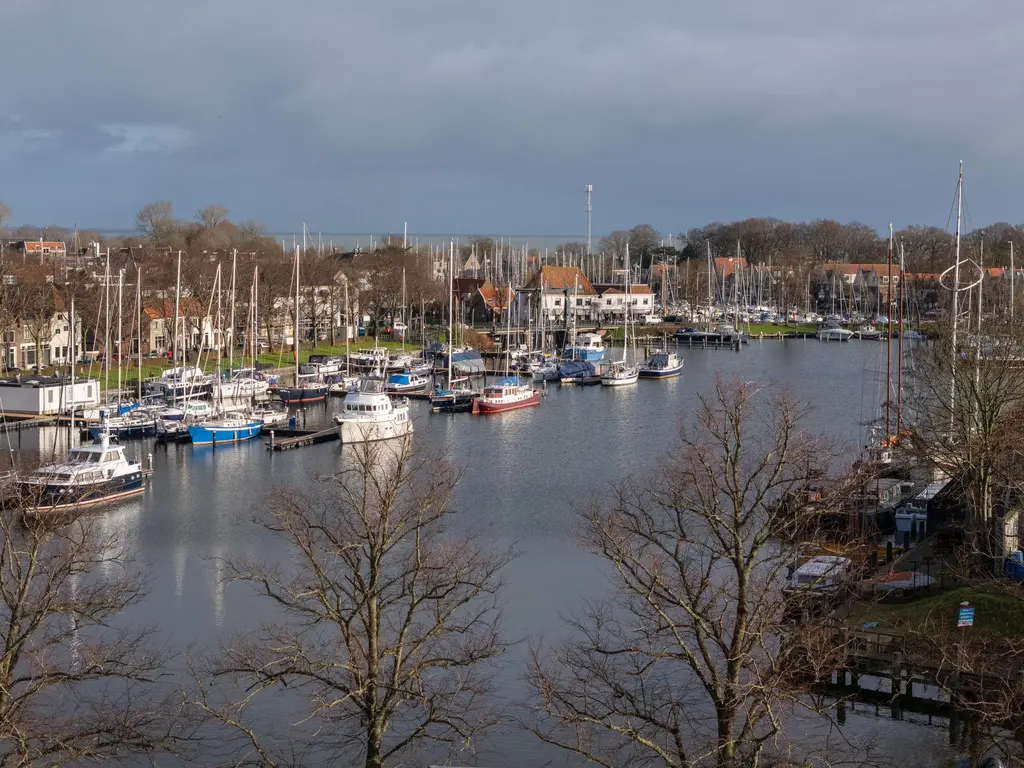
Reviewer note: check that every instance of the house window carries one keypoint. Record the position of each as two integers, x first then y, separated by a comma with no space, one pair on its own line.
558,302
28,357
49,397
608,302
579,302
645,302
8,337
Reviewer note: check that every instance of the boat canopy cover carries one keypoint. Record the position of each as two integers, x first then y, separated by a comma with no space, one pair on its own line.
577,368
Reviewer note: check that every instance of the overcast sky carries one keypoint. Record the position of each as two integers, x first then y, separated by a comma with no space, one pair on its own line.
469,116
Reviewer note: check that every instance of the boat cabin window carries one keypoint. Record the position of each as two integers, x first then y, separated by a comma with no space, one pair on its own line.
110,456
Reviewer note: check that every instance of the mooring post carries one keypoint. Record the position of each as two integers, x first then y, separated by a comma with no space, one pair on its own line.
271,438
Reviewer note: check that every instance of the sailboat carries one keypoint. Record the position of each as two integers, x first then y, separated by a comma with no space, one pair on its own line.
451,400
230,427
308,388
622,373
662,364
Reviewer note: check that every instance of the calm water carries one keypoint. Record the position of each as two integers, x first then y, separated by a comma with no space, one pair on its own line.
525,470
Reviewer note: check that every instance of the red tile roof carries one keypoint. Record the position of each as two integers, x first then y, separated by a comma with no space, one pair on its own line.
560,278
726,265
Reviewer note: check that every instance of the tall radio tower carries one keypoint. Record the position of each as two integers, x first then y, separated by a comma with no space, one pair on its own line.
590,192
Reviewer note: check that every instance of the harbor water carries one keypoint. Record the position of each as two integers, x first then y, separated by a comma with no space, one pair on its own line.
525,472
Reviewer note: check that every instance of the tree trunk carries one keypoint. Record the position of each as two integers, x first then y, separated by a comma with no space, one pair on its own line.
726,742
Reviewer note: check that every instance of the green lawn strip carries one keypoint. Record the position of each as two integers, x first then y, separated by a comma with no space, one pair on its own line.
998,610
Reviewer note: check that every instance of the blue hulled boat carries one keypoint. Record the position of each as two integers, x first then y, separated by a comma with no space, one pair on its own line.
662,365
91,474
230,429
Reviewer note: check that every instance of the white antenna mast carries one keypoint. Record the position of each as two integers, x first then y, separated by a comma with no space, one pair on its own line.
590,193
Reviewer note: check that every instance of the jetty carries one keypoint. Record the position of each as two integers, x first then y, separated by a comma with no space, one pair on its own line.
286,439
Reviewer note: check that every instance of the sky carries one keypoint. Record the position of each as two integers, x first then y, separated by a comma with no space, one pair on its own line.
461,116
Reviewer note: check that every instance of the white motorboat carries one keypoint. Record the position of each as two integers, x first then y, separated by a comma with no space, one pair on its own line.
835,334
370,415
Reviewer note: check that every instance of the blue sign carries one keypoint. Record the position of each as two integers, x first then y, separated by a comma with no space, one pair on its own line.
966,617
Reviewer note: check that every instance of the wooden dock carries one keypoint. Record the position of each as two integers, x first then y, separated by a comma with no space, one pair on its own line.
286,439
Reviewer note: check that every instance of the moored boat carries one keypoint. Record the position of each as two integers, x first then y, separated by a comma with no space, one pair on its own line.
307,389
370,415
230,429
507,395
90,475
586,346
405,383
662,364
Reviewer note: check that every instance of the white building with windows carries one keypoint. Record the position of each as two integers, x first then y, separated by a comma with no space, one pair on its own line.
564,294
47,396
611,301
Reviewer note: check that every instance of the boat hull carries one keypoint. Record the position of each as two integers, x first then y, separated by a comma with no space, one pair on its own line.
350,432
660,373
140,429
208,435
483,406
619,381
58,498
305,394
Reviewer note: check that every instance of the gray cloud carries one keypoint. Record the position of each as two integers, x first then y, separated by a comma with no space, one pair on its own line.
628,90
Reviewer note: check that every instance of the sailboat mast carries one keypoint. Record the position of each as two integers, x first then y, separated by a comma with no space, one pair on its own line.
219,338
231,325
177,304
899,352
1013,279
405,325
711,299
74,358
138,319
106,335
451,283
348,332
120,333
956,293
888,343
295,335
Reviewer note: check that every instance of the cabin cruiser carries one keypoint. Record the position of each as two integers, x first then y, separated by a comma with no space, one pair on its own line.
586,346
271,413
370,415
835,333
136,423
91,474
507,395
662,364
403,383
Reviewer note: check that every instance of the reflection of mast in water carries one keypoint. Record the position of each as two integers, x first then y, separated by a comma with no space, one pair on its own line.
75,643
180,561
218,586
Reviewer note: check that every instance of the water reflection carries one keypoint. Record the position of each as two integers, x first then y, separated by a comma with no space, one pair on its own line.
526,472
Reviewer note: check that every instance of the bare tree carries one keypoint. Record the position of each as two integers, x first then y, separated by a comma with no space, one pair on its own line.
392,617
682,666
156,220
211,216
965,402
5,214
72,687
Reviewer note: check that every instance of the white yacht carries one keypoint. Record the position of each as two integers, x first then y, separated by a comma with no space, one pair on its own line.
371,415
586,346
835,334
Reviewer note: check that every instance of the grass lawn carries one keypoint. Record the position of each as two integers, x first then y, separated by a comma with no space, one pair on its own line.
998,610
